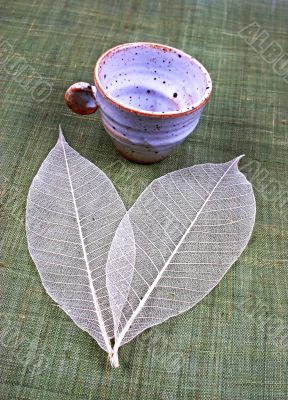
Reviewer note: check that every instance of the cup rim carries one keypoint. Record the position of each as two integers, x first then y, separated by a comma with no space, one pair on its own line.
193,108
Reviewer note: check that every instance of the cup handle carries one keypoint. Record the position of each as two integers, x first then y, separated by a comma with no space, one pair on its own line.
81,98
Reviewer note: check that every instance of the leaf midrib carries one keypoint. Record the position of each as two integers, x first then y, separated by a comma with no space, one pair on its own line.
152,287
95,301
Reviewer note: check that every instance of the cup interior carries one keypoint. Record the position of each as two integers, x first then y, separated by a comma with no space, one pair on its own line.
152,78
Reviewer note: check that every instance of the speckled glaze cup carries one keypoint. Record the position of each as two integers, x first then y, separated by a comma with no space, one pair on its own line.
150,97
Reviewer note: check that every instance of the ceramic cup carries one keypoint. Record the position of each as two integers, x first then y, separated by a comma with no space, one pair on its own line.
150,97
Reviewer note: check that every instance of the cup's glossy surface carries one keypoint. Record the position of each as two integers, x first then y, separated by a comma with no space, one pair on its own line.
150,97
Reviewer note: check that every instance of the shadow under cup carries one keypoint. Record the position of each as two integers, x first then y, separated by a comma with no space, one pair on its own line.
150,98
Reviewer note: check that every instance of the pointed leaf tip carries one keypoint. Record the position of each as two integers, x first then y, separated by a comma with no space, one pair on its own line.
61,136
236,160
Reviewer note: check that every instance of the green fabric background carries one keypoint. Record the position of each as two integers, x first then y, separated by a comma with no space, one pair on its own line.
233,345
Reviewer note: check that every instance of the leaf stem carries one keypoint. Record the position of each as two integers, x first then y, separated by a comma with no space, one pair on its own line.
113,357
